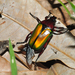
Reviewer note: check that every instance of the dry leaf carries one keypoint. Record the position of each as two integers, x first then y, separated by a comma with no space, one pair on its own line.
32,73
20,62
4,65
60,69
19,10
26,73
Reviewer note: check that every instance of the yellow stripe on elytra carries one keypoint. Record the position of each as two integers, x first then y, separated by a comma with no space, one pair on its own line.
36,33
40,41
42,38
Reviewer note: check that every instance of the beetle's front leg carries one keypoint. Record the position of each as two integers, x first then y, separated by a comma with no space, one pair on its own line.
59,30
28,36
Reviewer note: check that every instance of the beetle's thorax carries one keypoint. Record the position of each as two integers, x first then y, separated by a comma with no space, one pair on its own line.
50,23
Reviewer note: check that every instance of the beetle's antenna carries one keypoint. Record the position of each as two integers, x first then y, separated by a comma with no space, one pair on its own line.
35,18
48,15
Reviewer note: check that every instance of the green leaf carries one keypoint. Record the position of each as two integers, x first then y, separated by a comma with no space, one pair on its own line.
12,59
72,6
65,8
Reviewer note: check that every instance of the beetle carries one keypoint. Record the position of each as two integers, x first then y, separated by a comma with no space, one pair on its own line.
41,36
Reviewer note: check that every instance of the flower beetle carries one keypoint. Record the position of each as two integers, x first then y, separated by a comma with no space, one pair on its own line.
40,37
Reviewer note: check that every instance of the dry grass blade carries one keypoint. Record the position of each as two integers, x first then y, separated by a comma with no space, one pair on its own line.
15,21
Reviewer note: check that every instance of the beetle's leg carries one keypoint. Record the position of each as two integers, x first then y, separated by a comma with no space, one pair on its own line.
71,27
37,58
42,50
28,36
59,30
38,20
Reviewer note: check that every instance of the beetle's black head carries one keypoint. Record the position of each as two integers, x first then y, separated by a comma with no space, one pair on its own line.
53,18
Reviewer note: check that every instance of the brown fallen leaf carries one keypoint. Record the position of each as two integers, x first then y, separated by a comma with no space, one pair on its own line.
32,73
20,61
26,73
60,69
5,73
4,65
16,32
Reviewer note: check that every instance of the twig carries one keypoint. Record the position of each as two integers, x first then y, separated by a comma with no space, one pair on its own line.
16,21
30,31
